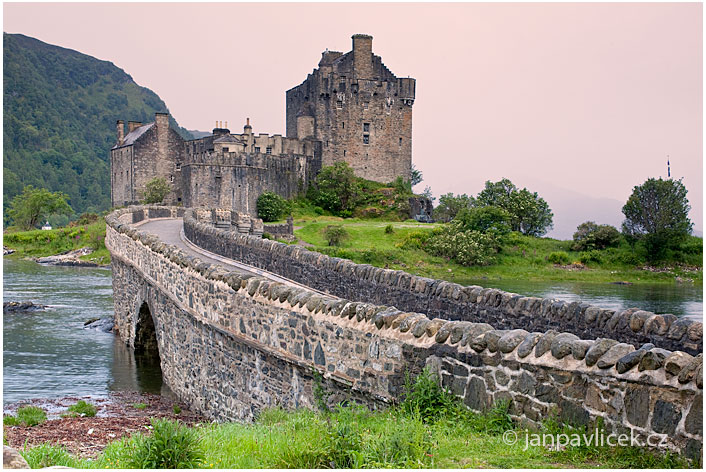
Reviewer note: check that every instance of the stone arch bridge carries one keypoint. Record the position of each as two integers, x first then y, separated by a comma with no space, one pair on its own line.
236,331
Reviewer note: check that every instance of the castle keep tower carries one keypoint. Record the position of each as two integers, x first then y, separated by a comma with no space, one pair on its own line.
358,110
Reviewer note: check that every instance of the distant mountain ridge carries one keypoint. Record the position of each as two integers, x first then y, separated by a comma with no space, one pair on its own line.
60,108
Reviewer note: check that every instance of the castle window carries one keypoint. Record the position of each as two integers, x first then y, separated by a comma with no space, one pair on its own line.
366,127
400,141
171,178
268,150
365,105
178,166
344,153
225,149
327,143
366,139
343,124
257,149
339,104
342,86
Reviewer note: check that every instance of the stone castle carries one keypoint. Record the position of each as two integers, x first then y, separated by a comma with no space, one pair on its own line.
351,109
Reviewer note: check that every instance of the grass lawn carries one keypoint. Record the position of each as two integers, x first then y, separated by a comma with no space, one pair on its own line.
521,257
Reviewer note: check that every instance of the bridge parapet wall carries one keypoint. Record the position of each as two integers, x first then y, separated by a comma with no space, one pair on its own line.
231,345
447,300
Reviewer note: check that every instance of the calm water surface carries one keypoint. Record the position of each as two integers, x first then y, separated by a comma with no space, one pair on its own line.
48,354
678,299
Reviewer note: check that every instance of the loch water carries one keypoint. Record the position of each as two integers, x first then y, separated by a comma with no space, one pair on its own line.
49,354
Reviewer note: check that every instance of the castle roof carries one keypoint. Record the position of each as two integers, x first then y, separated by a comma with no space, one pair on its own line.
135,134
228,138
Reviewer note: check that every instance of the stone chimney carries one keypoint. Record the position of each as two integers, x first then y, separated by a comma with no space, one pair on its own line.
363,55
247,129
162,121
133,125
120,125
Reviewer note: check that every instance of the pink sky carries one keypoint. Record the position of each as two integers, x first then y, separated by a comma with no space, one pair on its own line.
569,100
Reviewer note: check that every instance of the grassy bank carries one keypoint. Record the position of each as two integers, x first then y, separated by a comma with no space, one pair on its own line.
391,244
42,243
430,429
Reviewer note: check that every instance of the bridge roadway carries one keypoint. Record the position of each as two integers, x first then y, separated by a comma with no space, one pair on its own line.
171,231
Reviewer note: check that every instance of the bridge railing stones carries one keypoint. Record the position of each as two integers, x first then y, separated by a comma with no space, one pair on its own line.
365,349
449,300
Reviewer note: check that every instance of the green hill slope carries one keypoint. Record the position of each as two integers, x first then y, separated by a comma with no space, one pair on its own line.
60,108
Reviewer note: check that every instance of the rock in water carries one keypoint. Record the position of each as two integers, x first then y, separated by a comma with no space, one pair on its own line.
11,459
7,250
14,307
101,324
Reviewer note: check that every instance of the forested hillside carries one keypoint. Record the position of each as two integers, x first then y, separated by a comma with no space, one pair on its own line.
60,109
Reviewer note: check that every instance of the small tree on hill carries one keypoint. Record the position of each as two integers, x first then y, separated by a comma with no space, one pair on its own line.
272,207
336,189
156,190
34,204
530,213
657,213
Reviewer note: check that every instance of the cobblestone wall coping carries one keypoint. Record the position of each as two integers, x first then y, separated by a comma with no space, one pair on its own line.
647,364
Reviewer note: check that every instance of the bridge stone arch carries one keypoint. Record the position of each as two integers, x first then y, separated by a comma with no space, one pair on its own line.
145,342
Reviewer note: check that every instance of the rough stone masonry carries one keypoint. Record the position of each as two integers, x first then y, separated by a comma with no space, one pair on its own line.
231,345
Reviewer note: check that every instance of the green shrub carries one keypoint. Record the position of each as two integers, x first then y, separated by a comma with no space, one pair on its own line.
498,419
558,257
83,409
335,234
31,415
176,409
590,235
426,398
267,236
389,229
464,247
484,219
9,420
47,455
272,207
170,446
591,256
139,406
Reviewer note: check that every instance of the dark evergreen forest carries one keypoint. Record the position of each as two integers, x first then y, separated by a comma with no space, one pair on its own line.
60,109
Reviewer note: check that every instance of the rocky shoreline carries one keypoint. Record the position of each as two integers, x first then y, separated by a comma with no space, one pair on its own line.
86,437
70,259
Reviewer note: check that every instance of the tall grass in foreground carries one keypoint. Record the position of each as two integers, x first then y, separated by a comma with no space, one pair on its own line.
429,429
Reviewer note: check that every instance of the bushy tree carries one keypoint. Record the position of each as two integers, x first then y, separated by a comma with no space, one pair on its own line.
156,190
336,189
484,219
530,213
450,205
272,207
657,213
590,235
34,204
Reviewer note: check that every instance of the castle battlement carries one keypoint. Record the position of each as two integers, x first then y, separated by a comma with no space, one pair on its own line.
352,109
